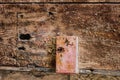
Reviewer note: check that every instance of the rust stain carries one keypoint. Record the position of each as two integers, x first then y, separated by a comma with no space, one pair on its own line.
66,54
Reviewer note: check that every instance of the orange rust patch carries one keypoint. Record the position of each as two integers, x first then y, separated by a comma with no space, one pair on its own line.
66,54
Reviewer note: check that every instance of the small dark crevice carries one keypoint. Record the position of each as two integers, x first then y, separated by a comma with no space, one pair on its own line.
118,35
52,16
14,57
119,16
2,25
60,49
21,16
91,70
22,48
1,39
51,13
25,36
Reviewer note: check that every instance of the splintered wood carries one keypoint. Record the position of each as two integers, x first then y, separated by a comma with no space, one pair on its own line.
67,54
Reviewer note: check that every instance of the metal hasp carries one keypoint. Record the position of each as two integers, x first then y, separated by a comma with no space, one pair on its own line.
67,54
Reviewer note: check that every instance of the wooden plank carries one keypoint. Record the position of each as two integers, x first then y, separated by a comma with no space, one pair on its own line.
97,27
60,1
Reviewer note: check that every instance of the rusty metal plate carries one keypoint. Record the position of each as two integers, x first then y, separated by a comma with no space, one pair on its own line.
67,54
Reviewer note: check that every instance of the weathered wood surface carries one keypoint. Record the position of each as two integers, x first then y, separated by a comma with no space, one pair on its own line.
97,26
59,0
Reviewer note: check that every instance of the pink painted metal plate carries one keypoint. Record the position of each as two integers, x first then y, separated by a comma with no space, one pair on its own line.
67,54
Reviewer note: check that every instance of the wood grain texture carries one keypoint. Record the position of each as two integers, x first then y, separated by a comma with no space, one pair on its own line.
59,0
97,27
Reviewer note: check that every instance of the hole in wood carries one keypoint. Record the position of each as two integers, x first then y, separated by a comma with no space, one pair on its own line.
60,49
1,39
21,48
25,36
21,16
91,70
50,13
119,16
